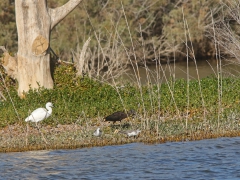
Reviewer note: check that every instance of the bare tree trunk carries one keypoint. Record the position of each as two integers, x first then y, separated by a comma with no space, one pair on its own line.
34,24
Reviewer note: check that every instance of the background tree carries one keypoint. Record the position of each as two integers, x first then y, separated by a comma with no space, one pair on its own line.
8,33
34,20
130,31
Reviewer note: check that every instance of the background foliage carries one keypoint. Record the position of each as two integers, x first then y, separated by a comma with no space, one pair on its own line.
145,27
79,99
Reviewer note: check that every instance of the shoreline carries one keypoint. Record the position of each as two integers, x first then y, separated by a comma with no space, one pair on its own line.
18,138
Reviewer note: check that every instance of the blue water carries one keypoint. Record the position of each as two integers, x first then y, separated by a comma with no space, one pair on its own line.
205,159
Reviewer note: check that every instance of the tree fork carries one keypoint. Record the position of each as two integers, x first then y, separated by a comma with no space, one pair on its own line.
31,66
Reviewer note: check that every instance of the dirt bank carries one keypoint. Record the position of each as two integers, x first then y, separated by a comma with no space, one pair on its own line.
15,138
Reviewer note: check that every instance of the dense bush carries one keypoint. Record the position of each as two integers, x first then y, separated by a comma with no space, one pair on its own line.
146,29
8,34
77,98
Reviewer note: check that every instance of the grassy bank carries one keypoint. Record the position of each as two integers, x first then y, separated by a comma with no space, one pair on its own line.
174,111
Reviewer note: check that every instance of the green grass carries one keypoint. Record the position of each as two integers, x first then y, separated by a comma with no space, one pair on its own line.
75,97
163,111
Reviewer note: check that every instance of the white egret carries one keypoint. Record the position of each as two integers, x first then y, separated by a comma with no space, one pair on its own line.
98,132
40,113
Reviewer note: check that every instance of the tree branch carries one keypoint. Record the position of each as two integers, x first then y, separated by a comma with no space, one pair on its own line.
2,96
3,49
61,12
9,63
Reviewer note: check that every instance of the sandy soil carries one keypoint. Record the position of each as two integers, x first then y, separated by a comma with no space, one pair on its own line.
28,137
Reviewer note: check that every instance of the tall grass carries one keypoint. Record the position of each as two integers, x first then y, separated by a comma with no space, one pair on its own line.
155,95
226,40
167,108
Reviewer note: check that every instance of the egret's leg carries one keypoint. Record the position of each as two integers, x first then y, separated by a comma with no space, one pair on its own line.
44,139
27,134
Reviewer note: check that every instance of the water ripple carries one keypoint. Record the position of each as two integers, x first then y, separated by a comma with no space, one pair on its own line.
205,159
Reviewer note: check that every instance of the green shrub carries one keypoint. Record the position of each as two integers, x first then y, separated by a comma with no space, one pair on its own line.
82,98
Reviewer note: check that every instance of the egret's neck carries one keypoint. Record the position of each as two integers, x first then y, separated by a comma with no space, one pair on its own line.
49,110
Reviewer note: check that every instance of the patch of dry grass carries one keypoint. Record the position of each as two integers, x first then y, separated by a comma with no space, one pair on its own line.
154,130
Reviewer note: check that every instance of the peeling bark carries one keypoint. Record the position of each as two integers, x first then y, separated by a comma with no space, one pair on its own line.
9,63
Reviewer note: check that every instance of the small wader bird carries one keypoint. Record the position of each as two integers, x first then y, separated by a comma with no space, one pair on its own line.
39,115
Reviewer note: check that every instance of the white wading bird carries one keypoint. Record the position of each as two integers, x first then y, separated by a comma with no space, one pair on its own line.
40,113
130,133
98,132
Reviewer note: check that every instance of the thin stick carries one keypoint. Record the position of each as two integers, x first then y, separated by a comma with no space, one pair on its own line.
44,139
1,94
198,77
219,75
186,39
26,140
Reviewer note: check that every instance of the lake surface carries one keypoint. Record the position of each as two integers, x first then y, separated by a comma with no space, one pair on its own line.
181,70
205,159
